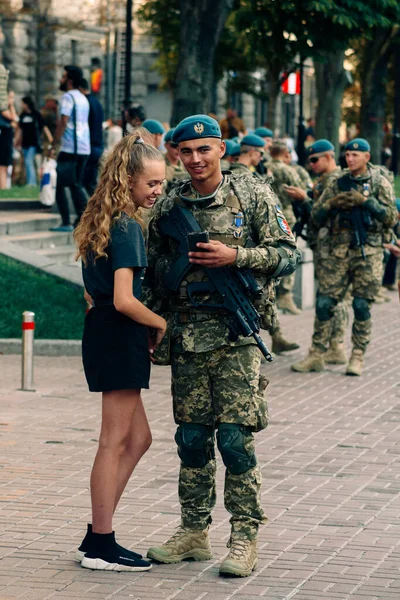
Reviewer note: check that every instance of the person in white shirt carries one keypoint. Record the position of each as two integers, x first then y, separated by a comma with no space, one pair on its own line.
73,133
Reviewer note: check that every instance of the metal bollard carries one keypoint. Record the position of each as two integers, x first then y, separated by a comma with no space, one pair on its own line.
28,333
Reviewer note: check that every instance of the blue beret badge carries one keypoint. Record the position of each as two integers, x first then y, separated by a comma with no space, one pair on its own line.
199,128
283,224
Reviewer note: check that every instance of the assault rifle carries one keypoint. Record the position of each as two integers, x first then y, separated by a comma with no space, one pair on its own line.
360,220
234,286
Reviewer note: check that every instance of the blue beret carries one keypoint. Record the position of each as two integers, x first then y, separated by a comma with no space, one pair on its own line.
196,127
398,204
358,144
264,132
252,140
232,148
168,135
153,126
320,146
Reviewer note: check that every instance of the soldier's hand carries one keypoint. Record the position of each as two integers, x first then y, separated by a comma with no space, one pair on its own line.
343,201
215,254
296,192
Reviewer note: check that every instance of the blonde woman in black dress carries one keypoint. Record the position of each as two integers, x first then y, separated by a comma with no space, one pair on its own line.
120,335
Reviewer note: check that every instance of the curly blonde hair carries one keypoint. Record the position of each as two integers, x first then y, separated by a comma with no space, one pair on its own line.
113,194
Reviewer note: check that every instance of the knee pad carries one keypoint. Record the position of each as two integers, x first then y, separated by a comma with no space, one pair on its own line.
324,307
361,309
195,444
231,440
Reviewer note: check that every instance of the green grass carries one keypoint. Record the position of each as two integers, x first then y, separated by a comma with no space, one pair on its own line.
397,185
59,308
22,191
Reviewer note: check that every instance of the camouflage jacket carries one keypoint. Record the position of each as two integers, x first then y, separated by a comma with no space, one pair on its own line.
244,215
241,169
380,205
304,176
284,175
319,186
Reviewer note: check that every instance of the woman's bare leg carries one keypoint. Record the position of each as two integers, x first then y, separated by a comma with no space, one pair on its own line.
118,408
139,443
3,178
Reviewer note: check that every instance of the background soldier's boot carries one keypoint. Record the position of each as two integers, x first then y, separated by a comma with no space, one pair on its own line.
286,304
336,354
280,344
356,362
242,558
185,543
313,362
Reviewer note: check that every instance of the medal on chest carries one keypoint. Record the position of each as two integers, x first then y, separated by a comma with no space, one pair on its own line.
238,225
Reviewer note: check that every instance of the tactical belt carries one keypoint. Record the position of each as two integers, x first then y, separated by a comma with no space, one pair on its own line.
190,310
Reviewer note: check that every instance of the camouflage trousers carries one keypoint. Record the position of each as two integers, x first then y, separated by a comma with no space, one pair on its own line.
286,285
340,318
360,334
220,386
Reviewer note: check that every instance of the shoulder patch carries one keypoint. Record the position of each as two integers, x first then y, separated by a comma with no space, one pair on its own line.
283,224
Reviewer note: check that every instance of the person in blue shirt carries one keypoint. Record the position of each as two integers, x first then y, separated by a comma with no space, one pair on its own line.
120,334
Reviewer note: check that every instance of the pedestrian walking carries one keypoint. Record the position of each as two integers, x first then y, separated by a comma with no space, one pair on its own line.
8,122
119,336
29,136
96,118
216,382
73,133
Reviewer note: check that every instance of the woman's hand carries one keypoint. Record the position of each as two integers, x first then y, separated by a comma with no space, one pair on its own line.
155,337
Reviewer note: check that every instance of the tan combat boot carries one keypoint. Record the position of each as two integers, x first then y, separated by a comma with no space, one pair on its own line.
185,543
356,363
336,354
280,344
286,304
242,558
313,362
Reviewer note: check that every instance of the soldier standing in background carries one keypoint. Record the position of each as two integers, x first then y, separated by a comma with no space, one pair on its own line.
359,211
267,135
175,170
216,382
251,154
283,176
322,160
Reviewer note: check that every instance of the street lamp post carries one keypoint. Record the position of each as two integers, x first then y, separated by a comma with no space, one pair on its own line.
128,59
301,153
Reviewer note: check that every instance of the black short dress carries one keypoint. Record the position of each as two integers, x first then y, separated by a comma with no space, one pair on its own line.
114,347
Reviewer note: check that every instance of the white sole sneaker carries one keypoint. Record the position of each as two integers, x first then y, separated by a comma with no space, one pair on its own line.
79,555
98,564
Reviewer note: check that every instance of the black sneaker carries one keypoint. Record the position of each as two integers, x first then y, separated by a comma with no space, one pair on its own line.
106,555
86,543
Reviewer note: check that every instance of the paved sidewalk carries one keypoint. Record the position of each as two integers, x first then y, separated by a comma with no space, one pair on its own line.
330,462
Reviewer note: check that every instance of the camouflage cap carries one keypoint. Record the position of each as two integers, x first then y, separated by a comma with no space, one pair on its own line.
196,127
359,145
252,140
153,126
264,132
320,146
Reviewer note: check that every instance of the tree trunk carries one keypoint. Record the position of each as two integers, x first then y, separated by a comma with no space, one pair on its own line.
331,82
201,26
375,58
273,95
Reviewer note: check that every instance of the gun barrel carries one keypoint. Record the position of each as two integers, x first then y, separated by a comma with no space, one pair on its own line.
263,347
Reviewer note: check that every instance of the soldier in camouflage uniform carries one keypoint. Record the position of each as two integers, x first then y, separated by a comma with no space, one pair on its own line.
252,149
283,176
232,153
175,171
360,201
216,382
322,160
267,135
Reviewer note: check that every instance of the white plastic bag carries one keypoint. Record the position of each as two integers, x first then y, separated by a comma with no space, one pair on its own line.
48,182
